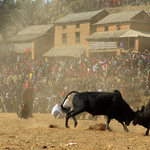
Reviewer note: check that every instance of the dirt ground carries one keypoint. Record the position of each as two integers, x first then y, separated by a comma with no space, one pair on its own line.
36,134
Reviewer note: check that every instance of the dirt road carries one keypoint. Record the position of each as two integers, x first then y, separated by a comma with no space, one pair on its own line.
35,133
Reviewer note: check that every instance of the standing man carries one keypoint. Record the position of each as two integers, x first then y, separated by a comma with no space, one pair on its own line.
27,97
3,102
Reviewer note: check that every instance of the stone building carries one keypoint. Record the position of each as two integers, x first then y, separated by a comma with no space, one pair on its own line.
34,40
131,28
71,31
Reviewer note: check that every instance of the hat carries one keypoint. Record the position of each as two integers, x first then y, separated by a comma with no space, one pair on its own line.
26,84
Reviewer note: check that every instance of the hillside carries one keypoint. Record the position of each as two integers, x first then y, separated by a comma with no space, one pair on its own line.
128,8
50,15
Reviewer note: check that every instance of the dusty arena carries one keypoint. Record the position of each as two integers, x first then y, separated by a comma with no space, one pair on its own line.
45,132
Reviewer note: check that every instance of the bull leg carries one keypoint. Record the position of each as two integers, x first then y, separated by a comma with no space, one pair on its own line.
67,118
66,125
75,121
108,121
74,113
125,128
147,132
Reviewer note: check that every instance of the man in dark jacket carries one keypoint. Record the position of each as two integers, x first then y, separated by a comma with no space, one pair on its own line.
27,97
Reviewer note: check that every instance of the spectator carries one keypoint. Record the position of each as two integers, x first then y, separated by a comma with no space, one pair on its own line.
27,97
57,112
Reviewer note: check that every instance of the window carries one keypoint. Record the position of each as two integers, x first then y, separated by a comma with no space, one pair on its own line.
64,26
77,37
64,38
106,28
118,27
78,25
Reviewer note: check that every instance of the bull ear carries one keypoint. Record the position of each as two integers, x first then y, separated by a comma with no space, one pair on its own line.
142,109
138,108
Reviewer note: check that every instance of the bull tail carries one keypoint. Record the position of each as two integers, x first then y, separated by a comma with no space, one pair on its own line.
67,109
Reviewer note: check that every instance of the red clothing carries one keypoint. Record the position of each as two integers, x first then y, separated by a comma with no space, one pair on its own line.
28,95
114,3
35,88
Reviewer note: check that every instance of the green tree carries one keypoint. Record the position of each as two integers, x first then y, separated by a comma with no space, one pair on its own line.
74,5
33,13
7,8
29,13
17,15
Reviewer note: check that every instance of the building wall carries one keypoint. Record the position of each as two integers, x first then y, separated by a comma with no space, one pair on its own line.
70,34
144,43
32,52
42,45
142,16
141,23
87,49
100,29
140,26
113,27
125,26
96,19
137,44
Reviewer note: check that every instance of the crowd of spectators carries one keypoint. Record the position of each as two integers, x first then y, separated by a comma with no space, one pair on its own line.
97,4
52,79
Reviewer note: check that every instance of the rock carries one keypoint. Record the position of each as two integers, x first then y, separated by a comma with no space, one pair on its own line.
97,126
27,141
11,136
110,146
72,143
44,147
66,145
69,144
53,126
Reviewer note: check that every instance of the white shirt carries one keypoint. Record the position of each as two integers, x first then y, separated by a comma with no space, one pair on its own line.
56,108
49,100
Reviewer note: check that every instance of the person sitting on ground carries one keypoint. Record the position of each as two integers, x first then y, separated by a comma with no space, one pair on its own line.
23,111
57,112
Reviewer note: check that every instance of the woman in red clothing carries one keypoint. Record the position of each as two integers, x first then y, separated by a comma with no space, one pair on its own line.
114,3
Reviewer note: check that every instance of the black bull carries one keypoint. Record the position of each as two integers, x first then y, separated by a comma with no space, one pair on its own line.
100,103
142,117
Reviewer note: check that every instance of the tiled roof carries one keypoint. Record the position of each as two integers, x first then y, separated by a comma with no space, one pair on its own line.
30,33
117,34
118,17
67,51
78,17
